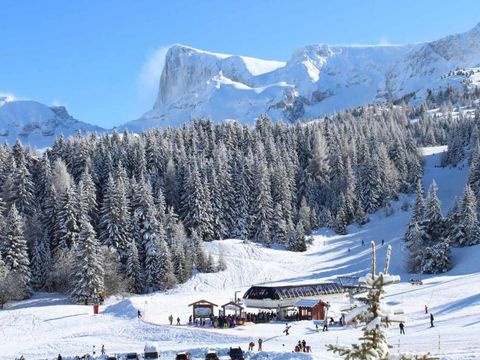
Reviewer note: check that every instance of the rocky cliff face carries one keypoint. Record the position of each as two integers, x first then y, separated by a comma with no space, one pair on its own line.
318,79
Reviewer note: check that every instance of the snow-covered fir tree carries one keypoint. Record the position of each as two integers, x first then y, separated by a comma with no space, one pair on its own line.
465,230
375,315
88,267
133,269
15,251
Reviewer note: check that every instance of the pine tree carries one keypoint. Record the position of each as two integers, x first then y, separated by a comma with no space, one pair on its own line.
196,205
19,188
88,195
375,315
433,220
200,255
467,230
319,165
474,174
436,258
115,218
369,181
133,269
241,201
16,251
263,205
89,272
221,264
41,263
419,206
415,244
67,222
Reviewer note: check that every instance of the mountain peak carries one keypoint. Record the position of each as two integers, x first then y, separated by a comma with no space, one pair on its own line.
318,79
37,124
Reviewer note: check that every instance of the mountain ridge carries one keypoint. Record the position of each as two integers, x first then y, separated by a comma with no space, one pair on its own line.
37,124
318,79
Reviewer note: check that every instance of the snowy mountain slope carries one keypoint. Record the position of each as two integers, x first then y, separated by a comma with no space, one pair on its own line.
37,124
48,324
318,79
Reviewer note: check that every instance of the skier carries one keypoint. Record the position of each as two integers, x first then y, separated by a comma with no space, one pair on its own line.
426,309
325,325
170,319
251,345
286,329
402,328
431,320
383,242
59,357
260,342
178,321
103,349
304,345
190,320
139,314
363,242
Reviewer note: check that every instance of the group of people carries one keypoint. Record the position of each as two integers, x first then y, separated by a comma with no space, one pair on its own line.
302,347
251,345
170,320
261,317
363,242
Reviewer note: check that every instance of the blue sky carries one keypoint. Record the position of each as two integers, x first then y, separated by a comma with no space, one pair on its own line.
102,59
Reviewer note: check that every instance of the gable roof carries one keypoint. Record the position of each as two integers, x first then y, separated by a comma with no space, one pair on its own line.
308,303
203,302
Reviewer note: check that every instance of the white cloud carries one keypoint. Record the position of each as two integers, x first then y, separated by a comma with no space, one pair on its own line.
149,78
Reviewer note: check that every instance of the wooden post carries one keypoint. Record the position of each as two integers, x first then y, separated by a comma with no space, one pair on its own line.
438,342
387,261
373,260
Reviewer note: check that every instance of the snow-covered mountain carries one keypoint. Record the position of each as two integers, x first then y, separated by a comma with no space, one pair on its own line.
37,124
317,80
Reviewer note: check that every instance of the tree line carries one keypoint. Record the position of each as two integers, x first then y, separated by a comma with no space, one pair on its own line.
131,212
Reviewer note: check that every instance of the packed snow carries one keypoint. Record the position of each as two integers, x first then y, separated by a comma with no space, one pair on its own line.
48,324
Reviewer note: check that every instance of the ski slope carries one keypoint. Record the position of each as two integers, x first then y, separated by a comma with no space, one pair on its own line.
48,324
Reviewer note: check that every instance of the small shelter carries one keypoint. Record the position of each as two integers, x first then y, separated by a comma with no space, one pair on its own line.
311,309
231,305
203,309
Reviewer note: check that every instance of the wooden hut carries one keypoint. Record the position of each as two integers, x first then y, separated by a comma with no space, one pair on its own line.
203,309
311,309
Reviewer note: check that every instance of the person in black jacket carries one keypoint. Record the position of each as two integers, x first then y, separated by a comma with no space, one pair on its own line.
431,320
402,328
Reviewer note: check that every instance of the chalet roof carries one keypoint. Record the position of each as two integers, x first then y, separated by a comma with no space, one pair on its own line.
203,302
292,291
307,303
232,303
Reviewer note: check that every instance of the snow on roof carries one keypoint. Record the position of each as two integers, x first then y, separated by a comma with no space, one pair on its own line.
292,291
308,303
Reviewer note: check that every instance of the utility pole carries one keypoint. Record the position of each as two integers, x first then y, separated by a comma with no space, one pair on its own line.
236,295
